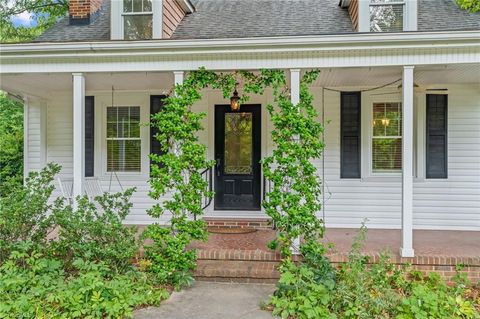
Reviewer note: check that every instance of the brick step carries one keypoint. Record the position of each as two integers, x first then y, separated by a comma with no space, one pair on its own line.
237,254
237,270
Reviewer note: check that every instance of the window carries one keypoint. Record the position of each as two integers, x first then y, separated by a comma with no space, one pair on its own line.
386,15
387,137
123,139
137,19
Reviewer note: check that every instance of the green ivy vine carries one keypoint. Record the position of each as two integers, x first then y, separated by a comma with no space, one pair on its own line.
176,173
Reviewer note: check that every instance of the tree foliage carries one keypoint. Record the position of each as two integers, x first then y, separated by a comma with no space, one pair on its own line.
43,13
470,5
11,143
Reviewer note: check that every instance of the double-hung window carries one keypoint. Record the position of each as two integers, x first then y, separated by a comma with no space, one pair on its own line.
137,19
387,137
123,139
387,15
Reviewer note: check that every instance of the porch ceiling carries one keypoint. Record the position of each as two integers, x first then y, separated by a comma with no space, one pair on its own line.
424,75
45,85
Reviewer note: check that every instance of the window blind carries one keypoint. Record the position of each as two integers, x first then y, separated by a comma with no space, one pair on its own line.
387,137
123,139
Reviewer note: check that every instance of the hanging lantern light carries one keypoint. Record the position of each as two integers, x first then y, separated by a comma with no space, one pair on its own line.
235,100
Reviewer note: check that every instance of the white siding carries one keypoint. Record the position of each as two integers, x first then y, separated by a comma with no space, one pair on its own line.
454,203
438,204
35,138
349,201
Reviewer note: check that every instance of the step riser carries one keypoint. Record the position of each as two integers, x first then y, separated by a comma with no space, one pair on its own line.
238,280
237,270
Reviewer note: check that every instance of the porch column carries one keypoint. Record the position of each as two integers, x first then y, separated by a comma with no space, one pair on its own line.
406,250
178,77
78,134
295,99
25,138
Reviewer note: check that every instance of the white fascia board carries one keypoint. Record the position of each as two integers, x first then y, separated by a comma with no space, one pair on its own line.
363,48
341,41
186,6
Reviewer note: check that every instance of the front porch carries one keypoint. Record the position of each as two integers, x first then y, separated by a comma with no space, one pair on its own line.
246,258
405,199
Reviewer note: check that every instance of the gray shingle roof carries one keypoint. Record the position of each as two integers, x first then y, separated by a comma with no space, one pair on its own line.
439,15
267,18
263,18
98,30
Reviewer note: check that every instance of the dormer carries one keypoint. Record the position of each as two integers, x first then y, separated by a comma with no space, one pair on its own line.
382,15
146,19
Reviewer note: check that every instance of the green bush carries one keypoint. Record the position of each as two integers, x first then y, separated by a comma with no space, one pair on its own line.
11,144
357,289
84,271
97,235
300,294
170,262
24,210
35,286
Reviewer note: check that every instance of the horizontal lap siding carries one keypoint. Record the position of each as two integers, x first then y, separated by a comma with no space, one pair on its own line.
438,204
172,15
60,150
34,140
454,203
353,11
349,201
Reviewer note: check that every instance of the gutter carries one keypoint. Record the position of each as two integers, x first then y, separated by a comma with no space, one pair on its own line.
344,40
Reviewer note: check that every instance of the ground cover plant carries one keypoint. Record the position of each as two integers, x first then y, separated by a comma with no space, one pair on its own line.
57,261
358,289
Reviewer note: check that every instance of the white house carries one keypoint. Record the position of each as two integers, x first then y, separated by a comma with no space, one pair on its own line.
398,93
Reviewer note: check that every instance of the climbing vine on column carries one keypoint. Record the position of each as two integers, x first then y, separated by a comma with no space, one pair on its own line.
295,197
178,187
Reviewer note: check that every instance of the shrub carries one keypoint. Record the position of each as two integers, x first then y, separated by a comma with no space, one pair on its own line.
312,289
24,210
11,144
169,260
97,235
300,294
35,286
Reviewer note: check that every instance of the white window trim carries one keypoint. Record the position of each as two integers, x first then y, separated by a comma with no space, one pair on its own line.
117,14
410,13
367,134
125,99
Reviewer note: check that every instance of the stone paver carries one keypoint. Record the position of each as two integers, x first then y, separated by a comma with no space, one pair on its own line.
209,300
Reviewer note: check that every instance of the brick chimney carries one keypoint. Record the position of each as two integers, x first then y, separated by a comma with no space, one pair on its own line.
84,12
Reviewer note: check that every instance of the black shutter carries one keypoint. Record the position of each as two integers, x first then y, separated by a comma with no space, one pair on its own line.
156,105
436,152
350,134
89,135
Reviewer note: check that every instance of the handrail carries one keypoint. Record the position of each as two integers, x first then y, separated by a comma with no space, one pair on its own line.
207,175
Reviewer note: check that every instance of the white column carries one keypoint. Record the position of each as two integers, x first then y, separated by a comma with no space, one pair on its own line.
78,134
295,99
406,250
25,138
178,77
295,86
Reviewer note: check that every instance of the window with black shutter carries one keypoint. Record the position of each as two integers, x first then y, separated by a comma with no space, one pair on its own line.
436,139
350,152
156,105
89,135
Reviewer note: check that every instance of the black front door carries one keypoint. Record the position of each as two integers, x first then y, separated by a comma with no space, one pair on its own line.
237,152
